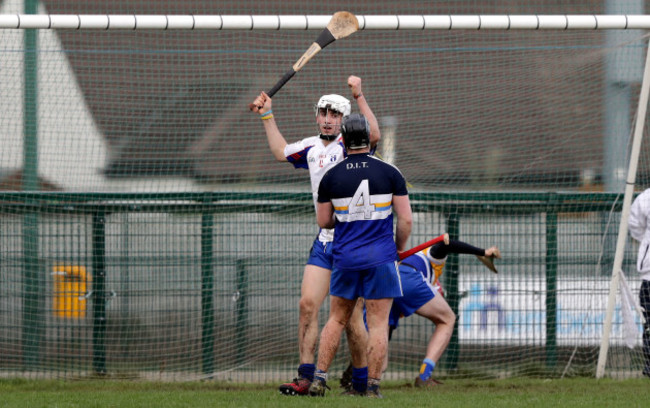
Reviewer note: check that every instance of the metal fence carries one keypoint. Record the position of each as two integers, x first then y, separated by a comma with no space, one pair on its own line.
206,285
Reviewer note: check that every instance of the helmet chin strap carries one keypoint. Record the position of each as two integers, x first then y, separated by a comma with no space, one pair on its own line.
328,137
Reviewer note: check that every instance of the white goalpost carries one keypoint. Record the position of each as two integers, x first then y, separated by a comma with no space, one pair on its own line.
625,215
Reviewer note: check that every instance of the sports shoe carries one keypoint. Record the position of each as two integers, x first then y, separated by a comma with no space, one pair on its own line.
299,386
317,388
346,378
353,393
429,382
374,393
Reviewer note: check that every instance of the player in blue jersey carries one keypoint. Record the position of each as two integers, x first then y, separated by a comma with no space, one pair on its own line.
423,295
358,196
318,154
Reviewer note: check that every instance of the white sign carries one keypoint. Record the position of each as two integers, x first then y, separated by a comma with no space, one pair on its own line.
512,310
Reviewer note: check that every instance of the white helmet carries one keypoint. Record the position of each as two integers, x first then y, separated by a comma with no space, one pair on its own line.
334,102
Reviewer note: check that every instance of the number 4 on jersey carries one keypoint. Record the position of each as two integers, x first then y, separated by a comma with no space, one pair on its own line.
360,202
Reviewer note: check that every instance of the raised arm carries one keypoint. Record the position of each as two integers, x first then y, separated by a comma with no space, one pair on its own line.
263,105
354,82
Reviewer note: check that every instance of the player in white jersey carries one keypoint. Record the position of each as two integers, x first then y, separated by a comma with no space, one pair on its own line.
317,154
639,225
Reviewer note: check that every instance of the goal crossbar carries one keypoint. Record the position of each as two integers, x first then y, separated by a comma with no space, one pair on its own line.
319,22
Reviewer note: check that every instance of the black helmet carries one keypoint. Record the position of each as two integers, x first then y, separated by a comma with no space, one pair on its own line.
356,131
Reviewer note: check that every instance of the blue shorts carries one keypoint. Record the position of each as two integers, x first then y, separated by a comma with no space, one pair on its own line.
417,292
380,282
321,254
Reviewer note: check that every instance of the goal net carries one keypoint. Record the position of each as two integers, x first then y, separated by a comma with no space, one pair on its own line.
146,229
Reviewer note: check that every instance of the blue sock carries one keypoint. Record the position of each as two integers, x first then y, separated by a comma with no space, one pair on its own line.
426,368
360,379
307,371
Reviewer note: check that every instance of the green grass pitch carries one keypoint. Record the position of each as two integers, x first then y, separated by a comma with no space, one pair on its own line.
566,393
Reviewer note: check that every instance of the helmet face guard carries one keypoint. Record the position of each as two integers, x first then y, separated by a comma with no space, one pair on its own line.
334,103
356,132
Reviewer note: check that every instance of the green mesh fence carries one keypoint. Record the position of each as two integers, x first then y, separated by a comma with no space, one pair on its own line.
146,230
181,286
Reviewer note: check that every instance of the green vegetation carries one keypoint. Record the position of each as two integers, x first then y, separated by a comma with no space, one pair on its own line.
575,392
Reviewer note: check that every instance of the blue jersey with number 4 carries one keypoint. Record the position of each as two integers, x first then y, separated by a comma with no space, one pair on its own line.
361,189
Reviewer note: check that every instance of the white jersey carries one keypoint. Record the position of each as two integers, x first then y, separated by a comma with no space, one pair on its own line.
312,154
639,227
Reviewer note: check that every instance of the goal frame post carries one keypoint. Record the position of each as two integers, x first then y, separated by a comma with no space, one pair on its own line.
319,22
637,138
